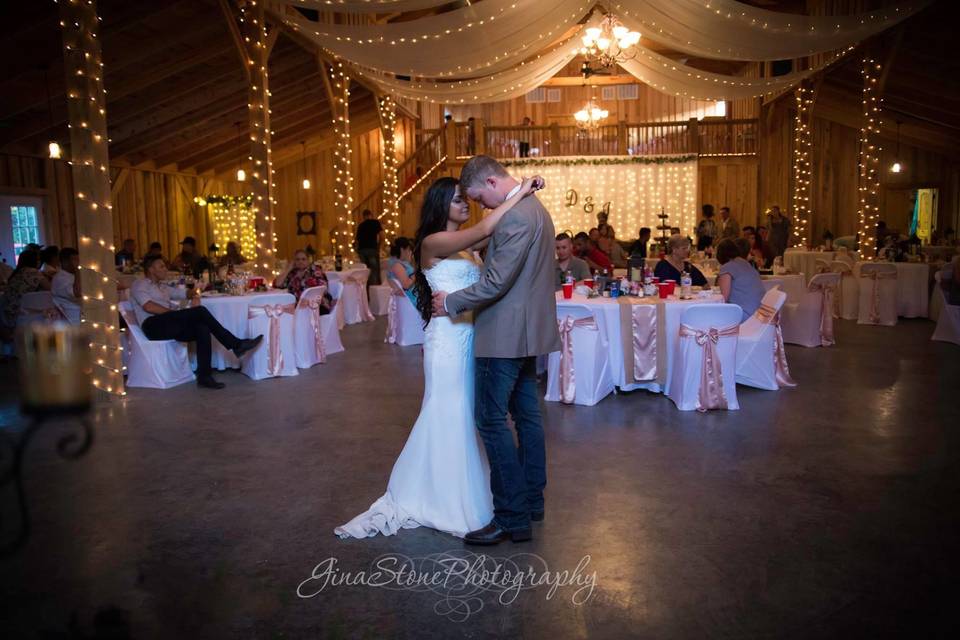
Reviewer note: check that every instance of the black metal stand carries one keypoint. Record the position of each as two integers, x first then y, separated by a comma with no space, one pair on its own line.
71,446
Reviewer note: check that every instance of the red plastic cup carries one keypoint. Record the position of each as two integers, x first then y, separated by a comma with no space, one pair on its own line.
567,290
588,282
655,280
672,286
663,289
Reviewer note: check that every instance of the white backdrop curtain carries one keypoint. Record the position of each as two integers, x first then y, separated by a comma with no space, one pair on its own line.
731,30
637,189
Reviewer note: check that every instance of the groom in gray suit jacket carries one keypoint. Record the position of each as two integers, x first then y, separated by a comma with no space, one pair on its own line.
515,321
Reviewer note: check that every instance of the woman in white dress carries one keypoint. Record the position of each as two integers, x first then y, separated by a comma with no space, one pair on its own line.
441,479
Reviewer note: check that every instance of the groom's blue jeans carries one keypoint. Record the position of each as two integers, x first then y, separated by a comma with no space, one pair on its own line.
518,474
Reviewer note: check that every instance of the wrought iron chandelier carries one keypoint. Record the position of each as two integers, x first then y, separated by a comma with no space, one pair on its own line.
609,44
590,116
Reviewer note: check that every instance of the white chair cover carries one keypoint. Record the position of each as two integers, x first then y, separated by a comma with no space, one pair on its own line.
154,364
761,359
809,321
379,299
315,336
822,266
404,324
704,368
936,298
354,306
948,317
277,353
878,294
38,306
846,303
580,373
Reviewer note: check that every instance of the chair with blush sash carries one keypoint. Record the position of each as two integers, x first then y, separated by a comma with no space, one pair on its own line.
809,320
276,355
761,357
153,364
878,294
847,301
948,316
821,266
316,336
356,305
404,323
580,373
379,298
703,375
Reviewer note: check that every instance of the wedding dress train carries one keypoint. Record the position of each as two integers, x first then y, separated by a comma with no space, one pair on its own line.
441,479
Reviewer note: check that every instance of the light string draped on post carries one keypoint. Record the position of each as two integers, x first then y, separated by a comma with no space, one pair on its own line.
343,180
89,161
802,150
254,28
390,216
869,159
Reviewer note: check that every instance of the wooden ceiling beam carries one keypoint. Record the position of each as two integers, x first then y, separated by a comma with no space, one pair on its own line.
234,28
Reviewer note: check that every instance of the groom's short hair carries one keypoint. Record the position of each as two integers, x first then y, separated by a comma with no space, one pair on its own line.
478,169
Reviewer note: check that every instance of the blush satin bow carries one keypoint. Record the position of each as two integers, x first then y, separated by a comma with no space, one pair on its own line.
314,303
710,395
827,291
877,276
273,312
769,315
568,387
360,282
393,309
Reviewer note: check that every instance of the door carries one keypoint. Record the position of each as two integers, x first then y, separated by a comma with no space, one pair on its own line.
20,224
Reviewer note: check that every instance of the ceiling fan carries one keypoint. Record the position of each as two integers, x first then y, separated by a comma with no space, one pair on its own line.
586,71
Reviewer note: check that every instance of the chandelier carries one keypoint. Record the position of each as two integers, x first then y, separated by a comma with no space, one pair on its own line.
590,116
610,43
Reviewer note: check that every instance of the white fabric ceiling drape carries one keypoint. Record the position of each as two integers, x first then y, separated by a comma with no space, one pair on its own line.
480,39
730,30
368,6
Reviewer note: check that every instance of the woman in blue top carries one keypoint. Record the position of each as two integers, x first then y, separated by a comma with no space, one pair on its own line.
400,266
675,263
739,282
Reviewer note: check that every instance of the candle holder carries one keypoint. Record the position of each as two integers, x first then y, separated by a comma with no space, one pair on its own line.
55,374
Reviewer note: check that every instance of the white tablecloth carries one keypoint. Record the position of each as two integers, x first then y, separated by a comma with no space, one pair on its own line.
607,310
913,288
791,284
805,262
231,312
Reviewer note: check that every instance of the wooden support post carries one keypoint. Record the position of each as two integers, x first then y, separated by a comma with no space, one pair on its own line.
450,141
555,139
622,138
480,133
86,107
694,129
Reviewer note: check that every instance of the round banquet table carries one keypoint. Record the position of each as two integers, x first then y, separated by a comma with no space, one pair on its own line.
231,312
791,284
608,311
913,288
805,262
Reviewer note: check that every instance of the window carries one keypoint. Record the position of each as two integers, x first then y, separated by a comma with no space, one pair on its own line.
537,95
628,92
608,94
23,219
553,95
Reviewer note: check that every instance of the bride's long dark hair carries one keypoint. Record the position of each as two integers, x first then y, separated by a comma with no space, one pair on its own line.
434,213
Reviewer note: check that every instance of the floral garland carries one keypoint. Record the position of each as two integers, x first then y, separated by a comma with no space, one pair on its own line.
242,201
597,161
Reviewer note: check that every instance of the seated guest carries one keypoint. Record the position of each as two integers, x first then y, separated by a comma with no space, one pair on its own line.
594,234
127,254
162,319
756,255
188,260
155,250
672,266
301,275
400,267
566,261
609,245
596,259
232,256
766,247
581,245
50,261
26,278
739,282
639,246
66,285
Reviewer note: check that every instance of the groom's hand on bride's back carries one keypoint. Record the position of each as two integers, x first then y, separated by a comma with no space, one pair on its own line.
438,299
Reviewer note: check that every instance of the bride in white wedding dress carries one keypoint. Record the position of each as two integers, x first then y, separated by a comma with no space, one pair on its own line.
441,479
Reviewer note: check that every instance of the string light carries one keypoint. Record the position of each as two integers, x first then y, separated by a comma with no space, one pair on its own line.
343,179
802,150
233,219
390,217
869,159
86,100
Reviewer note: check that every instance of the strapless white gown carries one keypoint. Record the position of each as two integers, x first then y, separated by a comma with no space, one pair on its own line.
441,479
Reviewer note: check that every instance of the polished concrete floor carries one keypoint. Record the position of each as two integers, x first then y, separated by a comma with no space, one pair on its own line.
827,511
